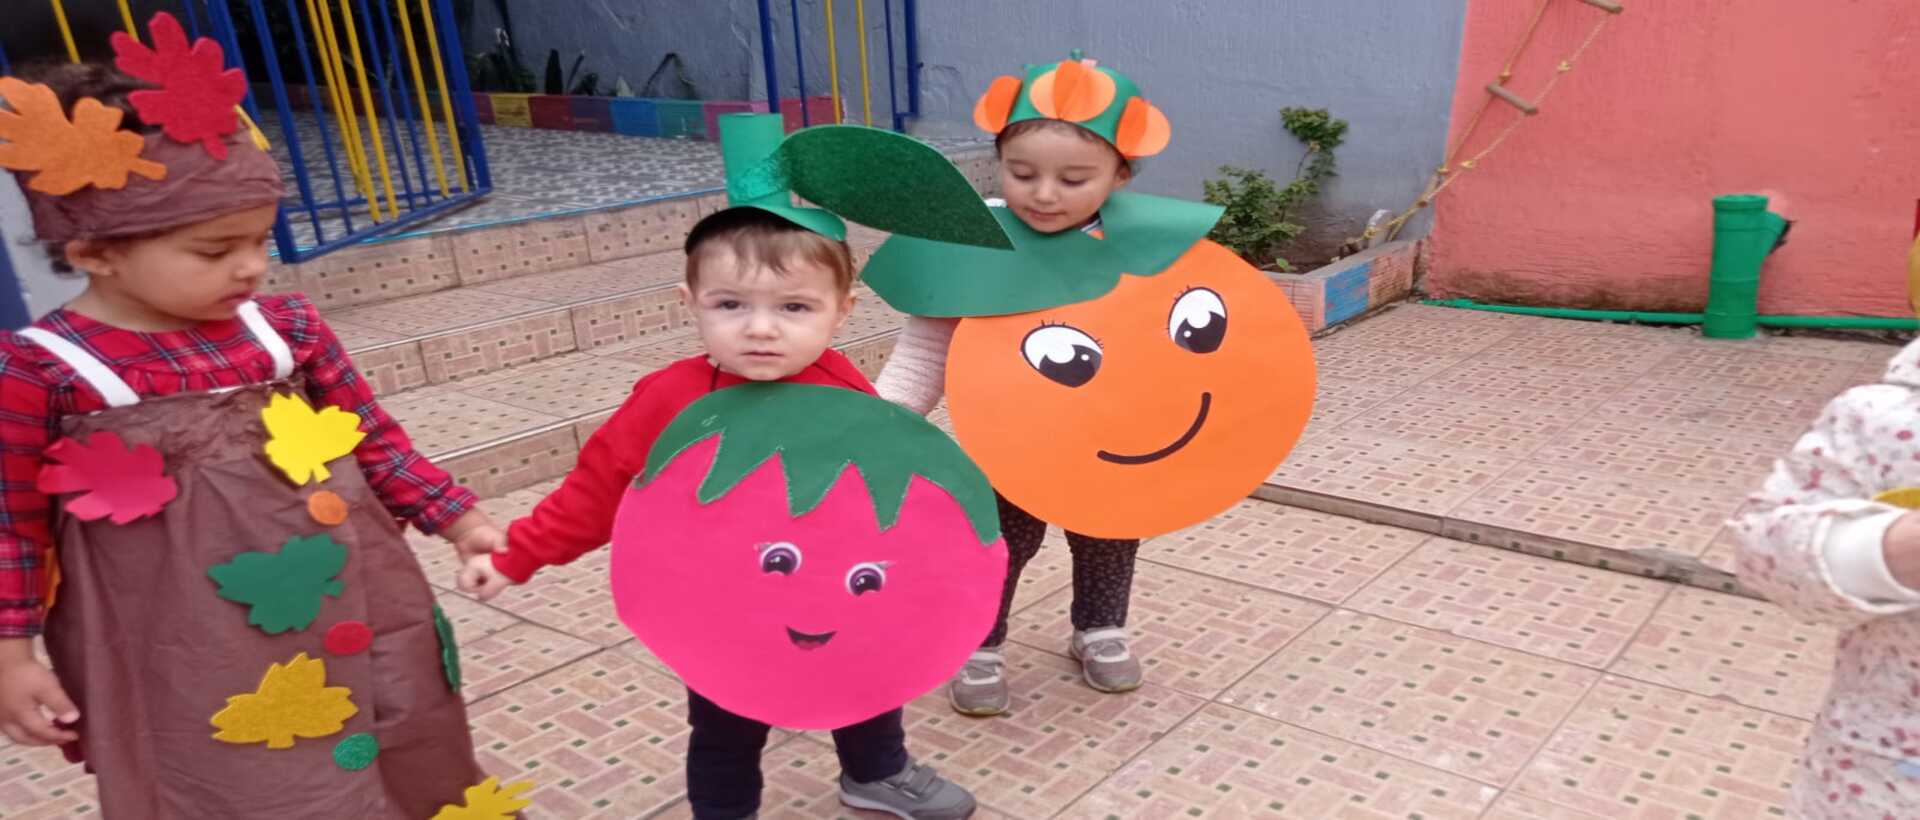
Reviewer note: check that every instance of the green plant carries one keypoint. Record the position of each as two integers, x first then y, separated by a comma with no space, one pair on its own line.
1259,222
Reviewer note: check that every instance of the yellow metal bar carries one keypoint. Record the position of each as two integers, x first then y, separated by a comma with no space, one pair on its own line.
336,72
866,84
366,99
126,19
833,62
420,89
446,97
66,31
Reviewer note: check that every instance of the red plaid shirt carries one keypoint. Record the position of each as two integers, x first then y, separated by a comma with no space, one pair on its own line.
37,389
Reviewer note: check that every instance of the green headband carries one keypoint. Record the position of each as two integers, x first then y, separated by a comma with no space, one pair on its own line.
1081,92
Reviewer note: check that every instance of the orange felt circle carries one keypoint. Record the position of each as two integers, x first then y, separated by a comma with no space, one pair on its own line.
991,112
327,508
1039,440
1073,92
1144,130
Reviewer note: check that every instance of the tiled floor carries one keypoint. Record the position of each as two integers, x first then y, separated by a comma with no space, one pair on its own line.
535,171
1299,665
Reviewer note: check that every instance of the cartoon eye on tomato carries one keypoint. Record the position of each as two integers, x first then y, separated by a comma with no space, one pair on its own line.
1120,387
809,575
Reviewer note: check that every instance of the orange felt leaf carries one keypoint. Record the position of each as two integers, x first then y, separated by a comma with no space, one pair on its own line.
197,94
1073,91
1144,130
68,155
991,112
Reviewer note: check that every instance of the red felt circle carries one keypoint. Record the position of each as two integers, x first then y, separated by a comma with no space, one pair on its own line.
349,638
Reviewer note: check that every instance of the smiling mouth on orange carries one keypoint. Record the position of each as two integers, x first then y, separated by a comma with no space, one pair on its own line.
1199,419
809,640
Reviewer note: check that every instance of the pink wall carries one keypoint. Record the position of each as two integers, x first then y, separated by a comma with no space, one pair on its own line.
1604,198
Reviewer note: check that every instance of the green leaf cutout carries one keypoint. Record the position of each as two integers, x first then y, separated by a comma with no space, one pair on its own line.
285,588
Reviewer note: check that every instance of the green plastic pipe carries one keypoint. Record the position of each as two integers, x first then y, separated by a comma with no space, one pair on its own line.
1657,318
1744,233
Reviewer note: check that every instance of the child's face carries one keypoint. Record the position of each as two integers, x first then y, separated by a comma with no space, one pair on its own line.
760,324
1055,181
199,273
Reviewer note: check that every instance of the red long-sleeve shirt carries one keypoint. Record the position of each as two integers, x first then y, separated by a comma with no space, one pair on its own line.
37,390
578,517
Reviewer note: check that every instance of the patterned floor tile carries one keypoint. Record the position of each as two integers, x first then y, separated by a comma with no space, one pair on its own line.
1633,448
575,600
1552,608
802,782
1634,750
1512,806
1458,705
355,338
446,421
1627,354
604,737
1722,551
1705,365
493,663
1570,390
1286,549
1728,647
37,782
1059,739
1597,508
1355,358
1433,336
436,556
471,619
1512,430
565,392
1050,571
1773,415
638,651
574,286
1337,401
437,312
1418,476
1191,632
1227,763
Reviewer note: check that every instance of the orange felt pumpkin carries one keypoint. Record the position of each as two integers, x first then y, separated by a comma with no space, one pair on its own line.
1150,408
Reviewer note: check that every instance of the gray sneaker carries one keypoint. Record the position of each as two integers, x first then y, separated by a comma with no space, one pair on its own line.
916,793
1104,659
980,689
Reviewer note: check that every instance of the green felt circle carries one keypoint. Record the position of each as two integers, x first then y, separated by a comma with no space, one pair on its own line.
356,752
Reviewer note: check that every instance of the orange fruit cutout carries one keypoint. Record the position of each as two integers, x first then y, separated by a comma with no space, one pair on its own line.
1143,131
1073,91
1149,409
995,106
327,508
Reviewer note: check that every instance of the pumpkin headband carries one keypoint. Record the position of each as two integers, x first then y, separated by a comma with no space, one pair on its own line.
888,181
86,178
1081,92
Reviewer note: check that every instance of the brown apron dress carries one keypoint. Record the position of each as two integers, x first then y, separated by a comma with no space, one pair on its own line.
150,653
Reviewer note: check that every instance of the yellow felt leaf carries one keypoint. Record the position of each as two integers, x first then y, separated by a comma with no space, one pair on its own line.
1908,497
488,801
293,700
301,442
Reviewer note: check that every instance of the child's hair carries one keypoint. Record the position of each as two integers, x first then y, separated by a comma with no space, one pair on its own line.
1025,127
758,238
72,82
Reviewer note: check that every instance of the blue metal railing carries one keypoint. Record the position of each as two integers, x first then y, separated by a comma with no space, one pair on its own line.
769,58
13,302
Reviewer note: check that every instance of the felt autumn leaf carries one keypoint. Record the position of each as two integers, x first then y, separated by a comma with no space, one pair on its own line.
488,801
68,155
293,700
301,441
197,93
449,648
114,480
284,588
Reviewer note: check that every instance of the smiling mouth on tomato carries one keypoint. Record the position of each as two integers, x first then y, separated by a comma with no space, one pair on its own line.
1199,419
809,640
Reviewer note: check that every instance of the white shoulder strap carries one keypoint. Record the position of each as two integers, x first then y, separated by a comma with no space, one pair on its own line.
103,380
268,338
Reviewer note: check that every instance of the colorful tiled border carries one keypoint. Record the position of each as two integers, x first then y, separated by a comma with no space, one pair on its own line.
1351,287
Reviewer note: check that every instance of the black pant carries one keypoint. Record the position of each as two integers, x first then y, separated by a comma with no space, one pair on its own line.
1102,572
723,758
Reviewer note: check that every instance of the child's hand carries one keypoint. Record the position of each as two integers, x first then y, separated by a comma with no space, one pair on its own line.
480,579
28,694
481,541
1901,547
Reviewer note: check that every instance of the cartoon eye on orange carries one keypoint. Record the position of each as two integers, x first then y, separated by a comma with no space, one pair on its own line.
1145,410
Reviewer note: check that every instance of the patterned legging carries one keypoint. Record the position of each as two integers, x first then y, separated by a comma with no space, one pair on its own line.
1102,572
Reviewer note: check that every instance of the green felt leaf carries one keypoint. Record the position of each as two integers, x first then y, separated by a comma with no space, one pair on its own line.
819,432
285,588
889,182
449,648
356,752
1143,235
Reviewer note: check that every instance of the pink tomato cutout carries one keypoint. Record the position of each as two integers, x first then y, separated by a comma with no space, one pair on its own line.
800,650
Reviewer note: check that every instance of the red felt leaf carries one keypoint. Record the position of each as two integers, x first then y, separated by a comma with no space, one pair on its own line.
196,95
125,483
